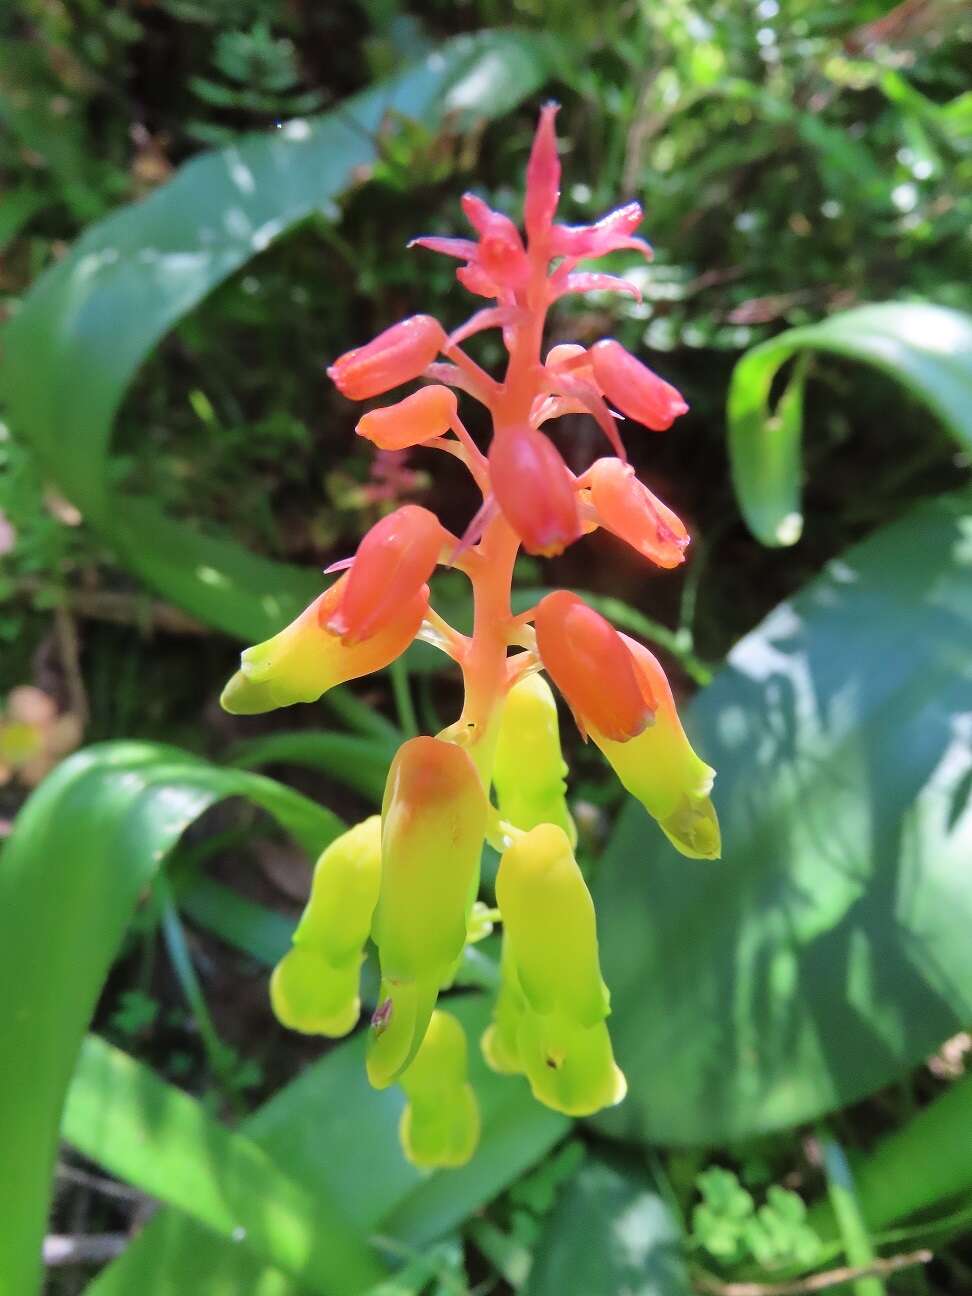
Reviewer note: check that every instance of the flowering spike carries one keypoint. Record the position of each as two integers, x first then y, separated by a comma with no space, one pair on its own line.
590,664
528,769
634,388
542,178
433,826
629,510
440,1124
305,660
535,490
394,357
393,562
314,988
661,770
423,416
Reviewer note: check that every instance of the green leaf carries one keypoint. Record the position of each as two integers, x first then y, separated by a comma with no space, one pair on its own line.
337,1138
90,321
359,763
928,349
610,1232
84,848
829,949
121,1115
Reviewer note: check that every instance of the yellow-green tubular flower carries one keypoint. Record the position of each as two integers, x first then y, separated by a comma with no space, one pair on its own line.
500,1044
529,770
440,1125
306,659
661,770
561,1040
314,988
433,826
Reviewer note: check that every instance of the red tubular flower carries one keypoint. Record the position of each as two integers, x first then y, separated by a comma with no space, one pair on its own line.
426,414
629,510
591,665
634,388
542,178
394,357
535,490
393,562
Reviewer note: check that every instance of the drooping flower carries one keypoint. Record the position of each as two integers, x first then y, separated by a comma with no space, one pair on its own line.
394,357
440,1124
634,388
627,508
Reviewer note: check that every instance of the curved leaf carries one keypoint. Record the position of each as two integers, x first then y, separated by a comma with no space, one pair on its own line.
84,847
926,348
90,321
829,949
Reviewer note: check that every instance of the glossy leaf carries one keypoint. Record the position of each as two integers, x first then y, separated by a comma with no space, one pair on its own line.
610,1232
928,349
334,1136
359,763
829,950
91,320
85,847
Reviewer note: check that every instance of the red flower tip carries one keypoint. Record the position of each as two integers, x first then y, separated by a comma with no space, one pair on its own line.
610,234
542,177
394,357
535,490
634,388
629,510
593,668
391,567
426,414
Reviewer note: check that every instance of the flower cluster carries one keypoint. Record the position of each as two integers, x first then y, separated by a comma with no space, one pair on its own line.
409,879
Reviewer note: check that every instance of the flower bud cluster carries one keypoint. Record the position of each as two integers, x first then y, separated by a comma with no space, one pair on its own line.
408,881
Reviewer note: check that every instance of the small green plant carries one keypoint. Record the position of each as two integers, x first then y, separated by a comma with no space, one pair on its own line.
731,1228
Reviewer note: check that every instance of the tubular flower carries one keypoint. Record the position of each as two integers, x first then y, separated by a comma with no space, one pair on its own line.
433,828
548,916
411,881
529,771
391,567
306,659
314,988
440,1124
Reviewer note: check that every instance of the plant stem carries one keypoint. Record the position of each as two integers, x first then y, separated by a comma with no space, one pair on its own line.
850,1220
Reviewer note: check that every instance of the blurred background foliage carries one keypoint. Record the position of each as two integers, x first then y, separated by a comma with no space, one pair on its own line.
795,158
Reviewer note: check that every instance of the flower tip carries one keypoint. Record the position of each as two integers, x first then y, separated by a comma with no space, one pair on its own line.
244,697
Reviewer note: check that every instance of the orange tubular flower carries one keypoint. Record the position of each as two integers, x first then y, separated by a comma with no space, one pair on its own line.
423,416
588,661
634,388
629,510
551,1019
393,562
394,357
535,490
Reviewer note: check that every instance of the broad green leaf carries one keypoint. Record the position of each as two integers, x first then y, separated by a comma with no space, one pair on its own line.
609,1233
122,1115
90,321
337,1138
829,949
928,349
359,763
85,847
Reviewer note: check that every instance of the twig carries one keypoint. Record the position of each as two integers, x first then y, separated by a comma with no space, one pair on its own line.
69,651
818,1282
97,1183
124,609
83,1248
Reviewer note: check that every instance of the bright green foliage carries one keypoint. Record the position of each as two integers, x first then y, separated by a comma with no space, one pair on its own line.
727,1224
315,986
440,1124
529,770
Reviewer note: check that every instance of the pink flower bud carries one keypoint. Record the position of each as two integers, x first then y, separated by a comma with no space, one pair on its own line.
634,388
394,357
629,510
610,234
535,490
593,668
542,177
393,562
426,414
